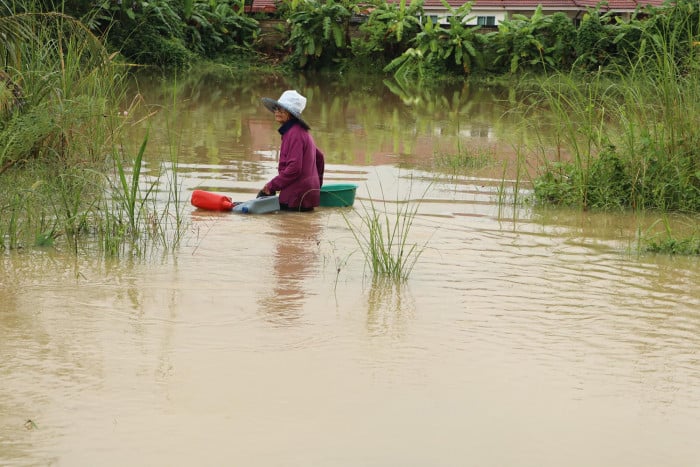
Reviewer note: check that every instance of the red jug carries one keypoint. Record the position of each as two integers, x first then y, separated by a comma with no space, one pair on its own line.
211,201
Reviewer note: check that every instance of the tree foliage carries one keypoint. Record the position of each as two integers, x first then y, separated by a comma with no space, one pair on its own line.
389,30
457,47
320,32
536,43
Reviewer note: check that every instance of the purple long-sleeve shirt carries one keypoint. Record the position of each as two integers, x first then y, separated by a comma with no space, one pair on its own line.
300,169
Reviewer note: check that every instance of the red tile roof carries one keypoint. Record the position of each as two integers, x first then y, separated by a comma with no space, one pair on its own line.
547,5
257,6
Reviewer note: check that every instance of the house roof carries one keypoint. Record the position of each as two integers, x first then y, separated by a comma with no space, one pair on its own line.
621,5
257,6
547,5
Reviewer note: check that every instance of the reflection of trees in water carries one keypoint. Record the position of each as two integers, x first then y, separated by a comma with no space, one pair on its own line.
389,307
207,110
382,120
356,119
294,257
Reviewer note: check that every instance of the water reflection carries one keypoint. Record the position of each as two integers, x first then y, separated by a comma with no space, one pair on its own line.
390,306
365,121
295,257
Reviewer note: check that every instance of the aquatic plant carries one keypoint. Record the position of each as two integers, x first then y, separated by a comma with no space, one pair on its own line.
679,235
688,246
383,237
465,159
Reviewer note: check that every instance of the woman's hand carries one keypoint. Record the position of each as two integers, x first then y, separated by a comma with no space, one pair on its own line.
265,191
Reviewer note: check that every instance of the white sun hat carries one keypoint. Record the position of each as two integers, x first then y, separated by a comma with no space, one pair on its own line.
291,101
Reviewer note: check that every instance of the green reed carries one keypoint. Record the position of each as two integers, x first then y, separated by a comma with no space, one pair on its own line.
628,138
65,180
137,216
55,130
128,190
383,237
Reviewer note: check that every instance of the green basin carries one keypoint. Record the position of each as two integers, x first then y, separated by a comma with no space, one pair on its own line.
338,195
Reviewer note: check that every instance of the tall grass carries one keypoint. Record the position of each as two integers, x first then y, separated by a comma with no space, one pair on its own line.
630,138
383,236
65,178
127,192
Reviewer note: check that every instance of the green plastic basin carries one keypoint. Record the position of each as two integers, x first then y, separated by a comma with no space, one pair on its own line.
338,195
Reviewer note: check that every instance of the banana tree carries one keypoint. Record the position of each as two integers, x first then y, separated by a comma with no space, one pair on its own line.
391,27
459,45
215,27
461,42
320,32
526,42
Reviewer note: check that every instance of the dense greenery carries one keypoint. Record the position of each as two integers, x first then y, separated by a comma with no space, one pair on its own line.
335,34
63,171
389,30
331,34
165,33
631,134
456,49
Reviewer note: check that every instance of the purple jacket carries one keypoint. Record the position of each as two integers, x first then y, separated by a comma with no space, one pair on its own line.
300,169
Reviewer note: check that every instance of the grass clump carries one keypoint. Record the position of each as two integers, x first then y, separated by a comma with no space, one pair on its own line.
464,160
689,246
383,237
679,236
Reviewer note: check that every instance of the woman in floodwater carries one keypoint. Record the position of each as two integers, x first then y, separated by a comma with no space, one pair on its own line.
301,163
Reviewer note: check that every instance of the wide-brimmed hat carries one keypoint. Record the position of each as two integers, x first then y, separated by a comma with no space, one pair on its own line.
291,101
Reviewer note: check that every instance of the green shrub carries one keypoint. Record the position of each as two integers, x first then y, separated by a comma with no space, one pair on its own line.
149,47
320,33
389,31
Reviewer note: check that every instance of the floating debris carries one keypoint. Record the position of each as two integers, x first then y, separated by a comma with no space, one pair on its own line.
30,425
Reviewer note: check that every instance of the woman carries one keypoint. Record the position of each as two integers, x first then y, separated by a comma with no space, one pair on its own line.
300,169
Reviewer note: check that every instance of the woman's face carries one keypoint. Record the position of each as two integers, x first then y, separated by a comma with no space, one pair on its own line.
281,116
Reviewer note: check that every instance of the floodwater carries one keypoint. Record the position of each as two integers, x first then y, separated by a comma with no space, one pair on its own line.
521,338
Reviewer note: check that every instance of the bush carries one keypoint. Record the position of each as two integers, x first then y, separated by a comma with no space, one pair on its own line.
147,46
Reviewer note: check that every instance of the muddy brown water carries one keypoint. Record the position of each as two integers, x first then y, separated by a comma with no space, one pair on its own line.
521,338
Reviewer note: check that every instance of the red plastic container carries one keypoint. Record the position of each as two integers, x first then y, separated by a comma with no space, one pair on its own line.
211,201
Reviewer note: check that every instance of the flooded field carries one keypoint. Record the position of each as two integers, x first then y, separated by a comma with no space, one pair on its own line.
523,337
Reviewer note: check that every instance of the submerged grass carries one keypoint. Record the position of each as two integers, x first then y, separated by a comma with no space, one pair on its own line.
383,237
65,179
688,246
670,243
464,160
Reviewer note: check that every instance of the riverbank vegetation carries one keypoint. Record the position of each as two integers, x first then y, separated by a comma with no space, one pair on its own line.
63,169
623,93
